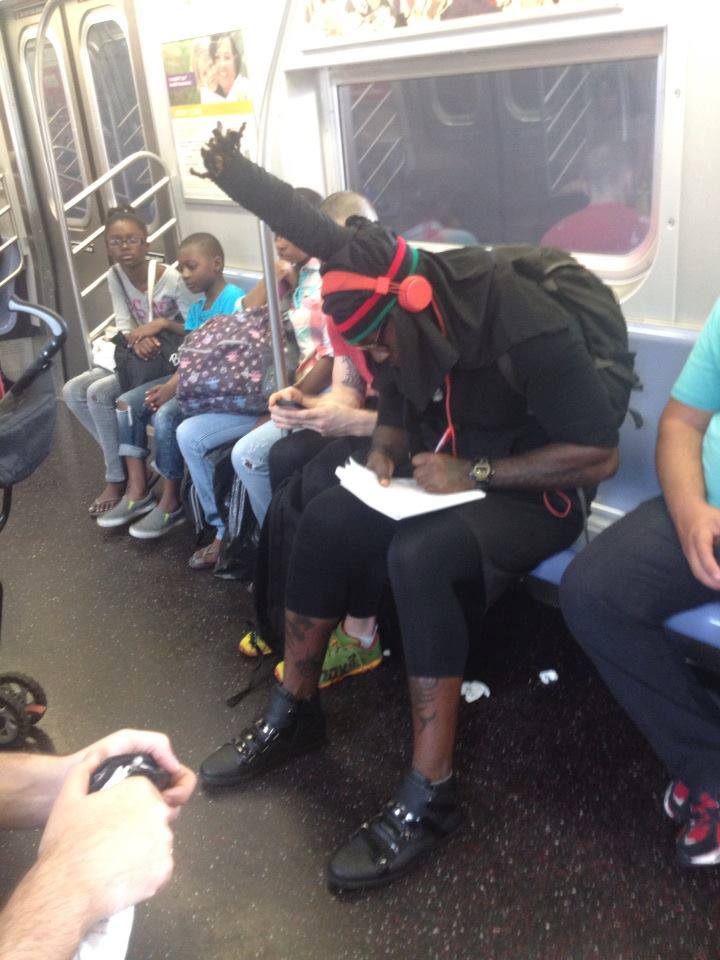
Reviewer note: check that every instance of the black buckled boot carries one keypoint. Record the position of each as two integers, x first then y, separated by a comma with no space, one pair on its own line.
286,729
421,818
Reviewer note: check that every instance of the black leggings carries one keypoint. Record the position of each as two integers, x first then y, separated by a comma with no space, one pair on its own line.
344,552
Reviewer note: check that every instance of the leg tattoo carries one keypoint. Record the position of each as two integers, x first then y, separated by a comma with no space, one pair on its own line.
306,639
423,694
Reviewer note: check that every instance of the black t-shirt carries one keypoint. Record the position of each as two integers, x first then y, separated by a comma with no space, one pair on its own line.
556,396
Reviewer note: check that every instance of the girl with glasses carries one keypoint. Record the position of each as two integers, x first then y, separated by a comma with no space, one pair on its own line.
91,396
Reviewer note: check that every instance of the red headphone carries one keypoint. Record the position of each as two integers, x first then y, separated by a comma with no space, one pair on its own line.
414,293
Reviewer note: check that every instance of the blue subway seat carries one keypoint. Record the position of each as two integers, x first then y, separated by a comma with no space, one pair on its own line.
552,569
701,624
698,630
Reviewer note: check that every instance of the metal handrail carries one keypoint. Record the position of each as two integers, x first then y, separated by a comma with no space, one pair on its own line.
267,248
106,177
70,251
38,94
7,210
19,269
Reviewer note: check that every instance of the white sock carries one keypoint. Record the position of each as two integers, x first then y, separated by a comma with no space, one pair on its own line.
365,641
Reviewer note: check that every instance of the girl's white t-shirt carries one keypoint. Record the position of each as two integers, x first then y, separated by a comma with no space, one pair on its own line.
130,305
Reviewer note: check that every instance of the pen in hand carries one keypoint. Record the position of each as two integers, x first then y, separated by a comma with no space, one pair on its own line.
442,441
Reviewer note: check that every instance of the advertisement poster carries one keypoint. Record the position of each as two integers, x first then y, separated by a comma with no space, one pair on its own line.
343,19
207,84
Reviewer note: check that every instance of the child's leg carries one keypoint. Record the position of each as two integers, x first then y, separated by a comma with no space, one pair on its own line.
196,436
168,458
250,458
91,397
133,417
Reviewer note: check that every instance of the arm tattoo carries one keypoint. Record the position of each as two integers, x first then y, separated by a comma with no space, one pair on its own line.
350,376
423,693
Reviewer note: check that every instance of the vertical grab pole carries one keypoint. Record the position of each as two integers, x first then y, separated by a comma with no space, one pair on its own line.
55,189
267,249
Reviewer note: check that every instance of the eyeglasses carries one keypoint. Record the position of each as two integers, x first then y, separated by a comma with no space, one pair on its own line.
125,241
378,350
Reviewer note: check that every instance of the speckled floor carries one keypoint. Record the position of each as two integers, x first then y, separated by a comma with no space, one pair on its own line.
564,856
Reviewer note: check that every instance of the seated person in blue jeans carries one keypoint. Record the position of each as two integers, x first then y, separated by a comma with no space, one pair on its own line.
201,264
333,395
656,561
298,278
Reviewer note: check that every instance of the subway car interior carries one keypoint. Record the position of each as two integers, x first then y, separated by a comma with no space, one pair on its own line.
465,123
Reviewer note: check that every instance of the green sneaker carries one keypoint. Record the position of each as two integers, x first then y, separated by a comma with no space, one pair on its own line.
345,657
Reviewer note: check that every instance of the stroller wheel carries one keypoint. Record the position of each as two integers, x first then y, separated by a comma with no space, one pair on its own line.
14,722
30,693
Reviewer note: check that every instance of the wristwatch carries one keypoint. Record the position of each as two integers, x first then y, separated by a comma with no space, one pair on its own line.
482,472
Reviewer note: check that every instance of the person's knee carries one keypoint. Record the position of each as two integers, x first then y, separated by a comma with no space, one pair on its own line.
70,392
243,456
582,584
407,557
92,394
164,424
418,550
323,521
184,436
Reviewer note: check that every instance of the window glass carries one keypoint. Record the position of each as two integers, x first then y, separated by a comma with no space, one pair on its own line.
119,111
62,134
559,155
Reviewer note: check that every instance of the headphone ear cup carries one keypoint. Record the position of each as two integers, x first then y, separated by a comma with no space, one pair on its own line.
415,293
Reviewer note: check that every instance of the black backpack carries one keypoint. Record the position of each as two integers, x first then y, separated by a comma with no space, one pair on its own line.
593,306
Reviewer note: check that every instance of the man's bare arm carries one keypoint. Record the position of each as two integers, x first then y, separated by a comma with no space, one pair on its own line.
679,465
318,378
29,784
555,465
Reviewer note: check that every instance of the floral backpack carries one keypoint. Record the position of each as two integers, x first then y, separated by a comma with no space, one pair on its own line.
226,366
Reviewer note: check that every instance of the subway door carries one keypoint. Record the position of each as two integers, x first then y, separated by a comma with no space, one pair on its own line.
91,82
25,263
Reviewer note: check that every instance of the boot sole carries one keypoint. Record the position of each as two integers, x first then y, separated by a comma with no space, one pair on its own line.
365,668
258,771
122,521
155,534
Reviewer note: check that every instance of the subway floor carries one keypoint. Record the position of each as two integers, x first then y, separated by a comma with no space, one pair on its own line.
565,854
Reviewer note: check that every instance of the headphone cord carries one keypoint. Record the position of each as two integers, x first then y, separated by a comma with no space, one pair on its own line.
450,433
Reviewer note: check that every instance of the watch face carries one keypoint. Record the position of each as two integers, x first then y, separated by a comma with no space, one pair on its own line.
481,470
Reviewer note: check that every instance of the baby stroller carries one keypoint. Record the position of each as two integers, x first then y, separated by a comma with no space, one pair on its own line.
27,420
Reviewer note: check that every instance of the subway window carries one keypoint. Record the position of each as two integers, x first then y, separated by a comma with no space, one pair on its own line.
62,132
118,110
559,155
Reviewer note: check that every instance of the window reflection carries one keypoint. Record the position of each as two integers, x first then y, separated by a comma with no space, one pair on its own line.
62,135
119,111
560,155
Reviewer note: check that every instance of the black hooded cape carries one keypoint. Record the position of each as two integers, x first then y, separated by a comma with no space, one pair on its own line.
486,306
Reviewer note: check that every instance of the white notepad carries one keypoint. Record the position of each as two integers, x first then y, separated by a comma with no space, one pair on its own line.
403,498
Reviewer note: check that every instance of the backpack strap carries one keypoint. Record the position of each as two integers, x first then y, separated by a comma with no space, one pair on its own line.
152,270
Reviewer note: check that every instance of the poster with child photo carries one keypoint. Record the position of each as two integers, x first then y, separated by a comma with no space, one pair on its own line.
207,82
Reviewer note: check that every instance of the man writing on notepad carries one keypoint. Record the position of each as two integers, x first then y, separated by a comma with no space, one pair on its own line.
480,386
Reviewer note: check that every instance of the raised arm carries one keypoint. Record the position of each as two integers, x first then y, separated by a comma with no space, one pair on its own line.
269,198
